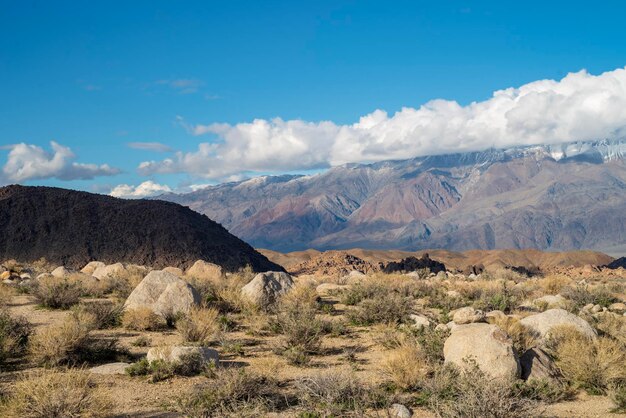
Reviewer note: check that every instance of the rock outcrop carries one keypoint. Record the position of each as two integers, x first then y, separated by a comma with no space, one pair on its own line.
544,322
266,288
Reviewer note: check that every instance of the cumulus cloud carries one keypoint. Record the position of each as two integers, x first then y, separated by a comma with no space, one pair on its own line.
28,162
581,106
145,189
150,146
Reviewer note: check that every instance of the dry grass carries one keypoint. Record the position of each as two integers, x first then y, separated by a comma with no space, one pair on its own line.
594,365
106,313
53,393
612,325
6,294
142,319
14,334
522,337
58,293
554,283
200,325
232,393
70,342
406,367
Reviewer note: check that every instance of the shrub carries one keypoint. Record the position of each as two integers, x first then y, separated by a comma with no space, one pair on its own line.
6,293
333,392
199,325
52,393
499,298
545,390
58,293
380,309
234,392
594,365
522,337
406,367
611,325
70,342
106,314
297,321
618,397
472,394
14,333
582,295
553,284
142,319
141,342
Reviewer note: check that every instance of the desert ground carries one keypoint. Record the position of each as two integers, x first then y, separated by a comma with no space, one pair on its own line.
121,340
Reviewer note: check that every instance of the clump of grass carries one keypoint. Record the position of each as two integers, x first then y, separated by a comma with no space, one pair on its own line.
542,390
523,338
158,370
106,313
58,293
455,394
142,319
142,341
553,284
583,294
299,326
500,298
617,394
52,393
6,293
334,393
70,342
382,309
233,392
200,325
594,365
14,334
407,367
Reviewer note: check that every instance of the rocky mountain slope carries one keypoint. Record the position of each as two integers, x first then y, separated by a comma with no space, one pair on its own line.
73,228
563,197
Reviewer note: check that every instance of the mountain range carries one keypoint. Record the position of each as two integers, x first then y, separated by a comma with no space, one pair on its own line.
548,197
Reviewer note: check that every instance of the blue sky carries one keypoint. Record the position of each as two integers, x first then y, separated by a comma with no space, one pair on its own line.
96,76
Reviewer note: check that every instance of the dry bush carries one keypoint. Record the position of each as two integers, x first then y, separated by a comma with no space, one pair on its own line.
523,338
454,394
70,342
122,283
6,294
14,334
583,294
58,293
406,366
594,365
142,319
53,393
612,325
554,283
200,325
382,309
297,322
388,335
232,393
618,397
106,313
334,393
498,295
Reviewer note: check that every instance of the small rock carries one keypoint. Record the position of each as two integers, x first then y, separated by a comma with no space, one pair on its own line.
442,328
111,368
468,315
596,309
177,353
550,302
493,316
400,411
617,307
326,288
5,275
420,321
112,270
61,272
25,276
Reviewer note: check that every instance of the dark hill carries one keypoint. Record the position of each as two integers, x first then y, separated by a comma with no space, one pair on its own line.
72,228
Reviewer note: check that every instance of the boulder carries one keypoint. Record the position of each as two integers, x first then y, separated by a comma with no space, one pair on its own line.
544,322
177,354
468,315
92,266
265,289
164,293
538,365
419,321
398,410
61,272
490,348
175,271
550,302
205,271
617,307
111,270
111,368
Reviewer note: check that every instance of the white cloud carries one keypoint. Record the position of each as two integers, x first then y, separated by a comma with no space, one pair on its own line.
150,146
145,189
581,106
183,85
28,162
